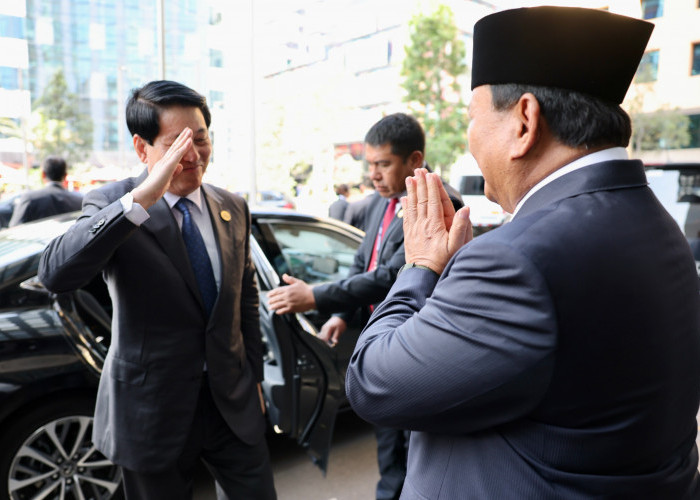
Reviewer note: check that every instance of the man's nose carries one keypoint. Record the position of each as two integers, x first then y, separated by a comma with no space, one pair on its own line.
374,173
191,155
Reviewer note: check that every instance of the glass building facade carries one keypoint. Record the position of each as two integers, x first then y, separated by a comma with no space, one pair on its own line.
104,48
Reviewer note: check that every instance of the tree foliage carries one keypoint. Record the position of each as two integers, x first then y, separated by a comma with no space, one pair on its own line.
434,62
661,129
10,128
59,126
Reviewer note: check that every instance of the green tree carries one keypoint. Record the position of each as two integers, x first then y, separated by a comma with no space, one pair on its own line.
431,70
9,128
59,125
661,129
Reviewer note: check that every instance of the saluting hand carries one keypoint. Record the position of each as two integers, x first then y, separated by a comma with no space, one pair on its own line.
157,183
433,232
297,296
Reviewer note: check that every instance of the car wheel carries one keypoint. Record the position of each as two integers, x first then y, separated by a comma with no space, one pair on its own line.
48,454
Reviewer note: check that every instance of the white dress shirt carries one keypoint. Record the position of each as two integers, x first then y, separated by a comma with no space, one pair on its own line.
200,214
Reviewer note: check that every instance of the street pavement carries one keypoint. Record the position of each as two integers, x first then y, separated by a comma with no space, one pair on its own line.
352,469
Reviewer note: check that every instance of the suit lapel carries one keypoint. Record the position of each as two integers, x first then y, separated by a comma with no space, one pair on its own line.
224,238
162,225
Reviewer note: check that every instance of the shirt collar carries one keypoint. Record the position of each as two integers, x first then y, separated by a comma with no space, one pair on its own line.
195,197
597,157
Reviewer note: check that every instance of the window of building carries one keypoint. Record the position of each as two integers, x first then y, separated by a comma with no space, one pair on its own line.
9,78
12,27
695,66
648,68
216,58
694,129
652,9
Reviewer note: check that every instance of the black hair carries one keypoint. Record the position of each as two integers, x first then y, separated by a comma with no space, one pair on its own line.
402,131
575,119
55,168
146,103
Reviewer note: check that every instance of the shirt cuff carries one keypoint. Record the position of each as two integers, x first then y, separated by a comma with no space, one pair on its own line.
132,210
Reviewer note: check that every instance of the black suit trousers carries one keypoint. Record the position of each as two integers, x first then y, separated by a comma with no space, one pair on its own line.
240,470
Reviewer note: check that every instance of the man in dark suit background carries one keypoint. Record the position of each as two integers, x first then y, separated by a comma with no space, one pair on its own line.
356,210
555,357
50,200
394,148
182,377
338,207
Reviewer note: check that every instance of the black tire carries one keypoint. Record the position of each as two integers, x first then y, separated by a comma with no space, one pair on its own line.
49,448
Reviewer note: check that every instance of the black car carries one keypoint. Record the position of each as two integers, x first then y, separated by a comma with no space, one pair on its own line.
52,348
677,186
7,208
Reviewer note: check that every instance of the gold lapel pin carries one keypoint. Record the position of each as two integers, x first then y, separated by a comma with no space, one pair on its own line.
399,214
225,215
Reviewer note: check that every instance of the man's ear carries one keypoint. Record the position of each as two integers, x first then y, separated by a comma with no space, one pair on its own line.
415,160
527,113
140,148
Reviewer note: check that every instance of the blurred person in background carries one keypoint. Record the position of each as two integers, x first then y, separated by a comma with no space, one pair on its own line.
355,212
52,199
338,207
394,149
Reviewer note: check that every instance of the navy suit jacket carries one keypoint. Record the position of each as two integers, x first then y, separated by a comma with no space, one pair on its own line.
161,333
52,199
557,357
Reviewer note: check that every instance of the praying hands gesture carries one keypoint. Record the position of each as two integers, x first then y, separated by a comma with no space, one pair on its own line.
433,231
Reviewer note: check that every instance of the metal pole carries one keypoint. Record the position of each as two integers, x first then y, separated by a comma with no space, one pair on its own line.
253,180
160,19
23,127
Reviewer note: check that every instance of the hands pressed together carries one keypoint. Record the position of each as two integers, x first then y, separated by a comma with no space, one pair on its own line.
433,231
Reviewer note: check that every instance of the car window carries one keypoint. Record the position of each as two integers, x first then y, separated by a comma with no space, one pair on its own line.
471,185
678,190
313,253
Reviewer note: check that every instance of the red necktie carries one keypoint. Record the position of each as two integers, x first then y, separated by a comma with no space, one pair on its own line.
388,216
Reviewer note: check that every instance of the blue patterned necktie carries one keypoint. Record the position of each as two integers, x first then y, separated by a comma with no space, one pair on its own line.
199,258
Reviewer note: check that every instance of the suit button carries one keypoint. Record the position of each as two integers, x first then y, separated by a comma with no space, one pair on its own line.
97,225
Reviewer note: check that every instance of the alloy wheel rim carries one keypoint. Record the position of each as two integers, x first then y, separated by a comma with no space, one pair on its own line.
59,461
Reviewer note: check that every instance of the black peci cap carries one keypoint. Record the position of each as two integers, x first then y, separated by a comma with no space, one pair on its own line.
590,51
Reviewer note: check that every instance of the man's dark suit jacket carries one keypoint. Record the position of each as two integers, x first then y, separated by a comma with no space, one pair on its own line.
557,357
361,288
52,199
337,208
355,213
161,335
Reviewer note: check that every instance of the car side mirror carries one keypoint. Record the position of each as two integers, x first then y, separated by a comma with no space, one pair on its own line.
325,265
